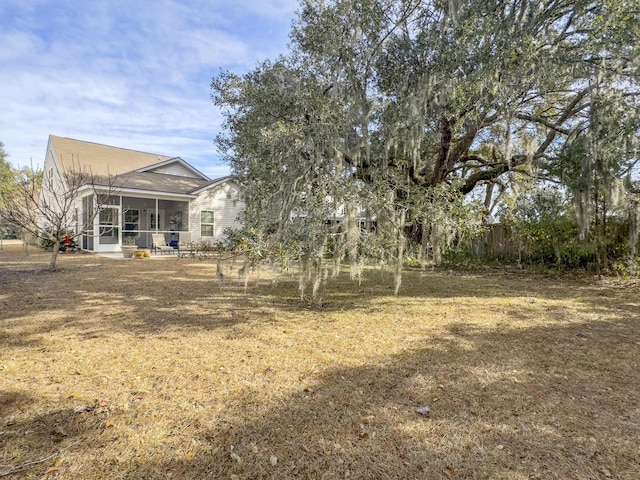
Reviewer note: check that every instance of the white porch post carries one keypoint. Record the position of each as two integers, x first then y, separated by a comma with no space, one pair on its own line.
120,215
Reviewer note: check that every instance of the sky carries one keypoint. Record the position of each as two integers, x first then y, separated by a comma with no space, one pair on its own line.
128,73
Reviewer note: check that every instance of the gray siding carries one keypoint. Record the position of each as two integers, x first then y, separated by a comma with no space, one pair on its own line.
224,201
54,178
175,169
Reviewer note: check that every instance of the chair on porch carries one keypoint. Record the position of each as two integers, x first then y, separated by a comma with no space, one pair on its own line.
159,243
184,241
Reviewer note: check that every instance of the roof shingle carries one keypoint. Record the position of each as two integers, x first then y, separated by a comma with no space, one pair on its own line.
99,159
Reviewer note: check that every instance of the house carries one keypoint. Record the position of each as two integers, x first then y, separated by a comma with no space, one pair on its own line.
153,194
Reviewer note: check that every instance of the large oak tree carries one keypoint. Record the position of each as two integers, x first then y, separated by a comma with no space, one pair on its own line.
407,106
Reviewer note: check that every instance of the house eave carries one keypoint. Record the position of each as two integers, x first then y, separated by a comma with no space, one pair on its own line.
215,183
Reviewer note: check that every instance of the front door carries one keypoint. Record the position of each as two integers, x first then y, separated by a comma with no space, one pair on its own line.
155,221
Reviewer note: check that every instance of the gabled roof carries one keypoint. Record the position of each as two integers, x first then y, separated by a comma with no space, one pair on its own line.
160,183
212,183
156,182
172,162
130,169
100,159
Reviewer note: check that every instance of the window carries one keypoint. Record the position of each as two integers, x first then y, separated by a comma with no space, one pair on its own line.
206,223
107,216
132,219
153,224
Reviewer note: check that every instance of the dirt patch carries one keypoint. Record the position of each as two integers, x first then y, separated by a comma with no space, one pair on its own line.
160,369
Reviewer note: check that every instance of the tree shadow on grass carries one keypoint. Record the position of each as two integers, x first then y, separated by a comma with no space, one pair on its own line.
150,297
531,403
554,400
31,443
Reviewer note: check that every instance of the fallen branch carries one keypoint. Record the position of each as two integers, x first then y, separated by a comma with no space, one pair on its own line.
24,466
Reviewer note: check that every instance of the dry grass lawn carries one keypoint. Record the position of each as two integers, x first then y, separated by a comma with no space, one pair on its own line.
153,368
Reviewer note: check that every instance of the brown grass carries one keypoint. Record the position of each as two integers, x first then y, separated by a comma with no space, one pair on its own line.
153,368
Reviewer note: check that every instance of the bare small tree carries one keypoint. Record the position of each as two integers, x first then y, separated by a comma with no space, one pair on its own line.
48,208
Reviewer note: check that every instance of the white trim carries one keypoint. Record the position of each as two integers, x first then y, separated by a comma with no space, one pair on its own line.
212,224
140,193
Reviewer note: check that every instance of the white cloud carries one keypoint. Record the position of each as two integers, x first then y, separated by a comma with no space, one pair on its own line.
130,74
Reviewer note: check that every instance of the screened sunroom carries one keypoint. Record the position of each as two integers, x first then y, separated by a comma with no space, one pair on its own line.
133,220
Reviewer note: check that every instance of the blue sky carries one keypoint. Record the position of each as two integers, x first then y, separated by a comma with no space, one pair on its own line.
132,74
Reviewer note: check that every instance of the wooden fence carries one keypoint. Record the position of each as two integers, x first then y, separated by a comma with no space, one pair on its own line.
495,242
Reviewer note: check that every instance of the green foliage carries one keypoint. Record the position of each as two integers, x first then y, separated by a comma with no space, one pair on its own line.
10,177
48,239
393,111
8,190
544,226
7,176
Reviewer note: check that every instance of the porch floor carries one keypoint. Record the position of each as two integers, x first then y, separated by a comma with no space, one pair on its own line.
118,255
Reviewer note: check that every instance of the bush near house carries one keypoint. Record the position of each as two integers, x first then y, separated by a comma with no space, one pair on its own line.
47,243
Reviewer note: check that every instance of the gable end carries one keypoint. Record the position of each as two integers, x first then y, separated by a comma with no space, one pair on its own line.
174,166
